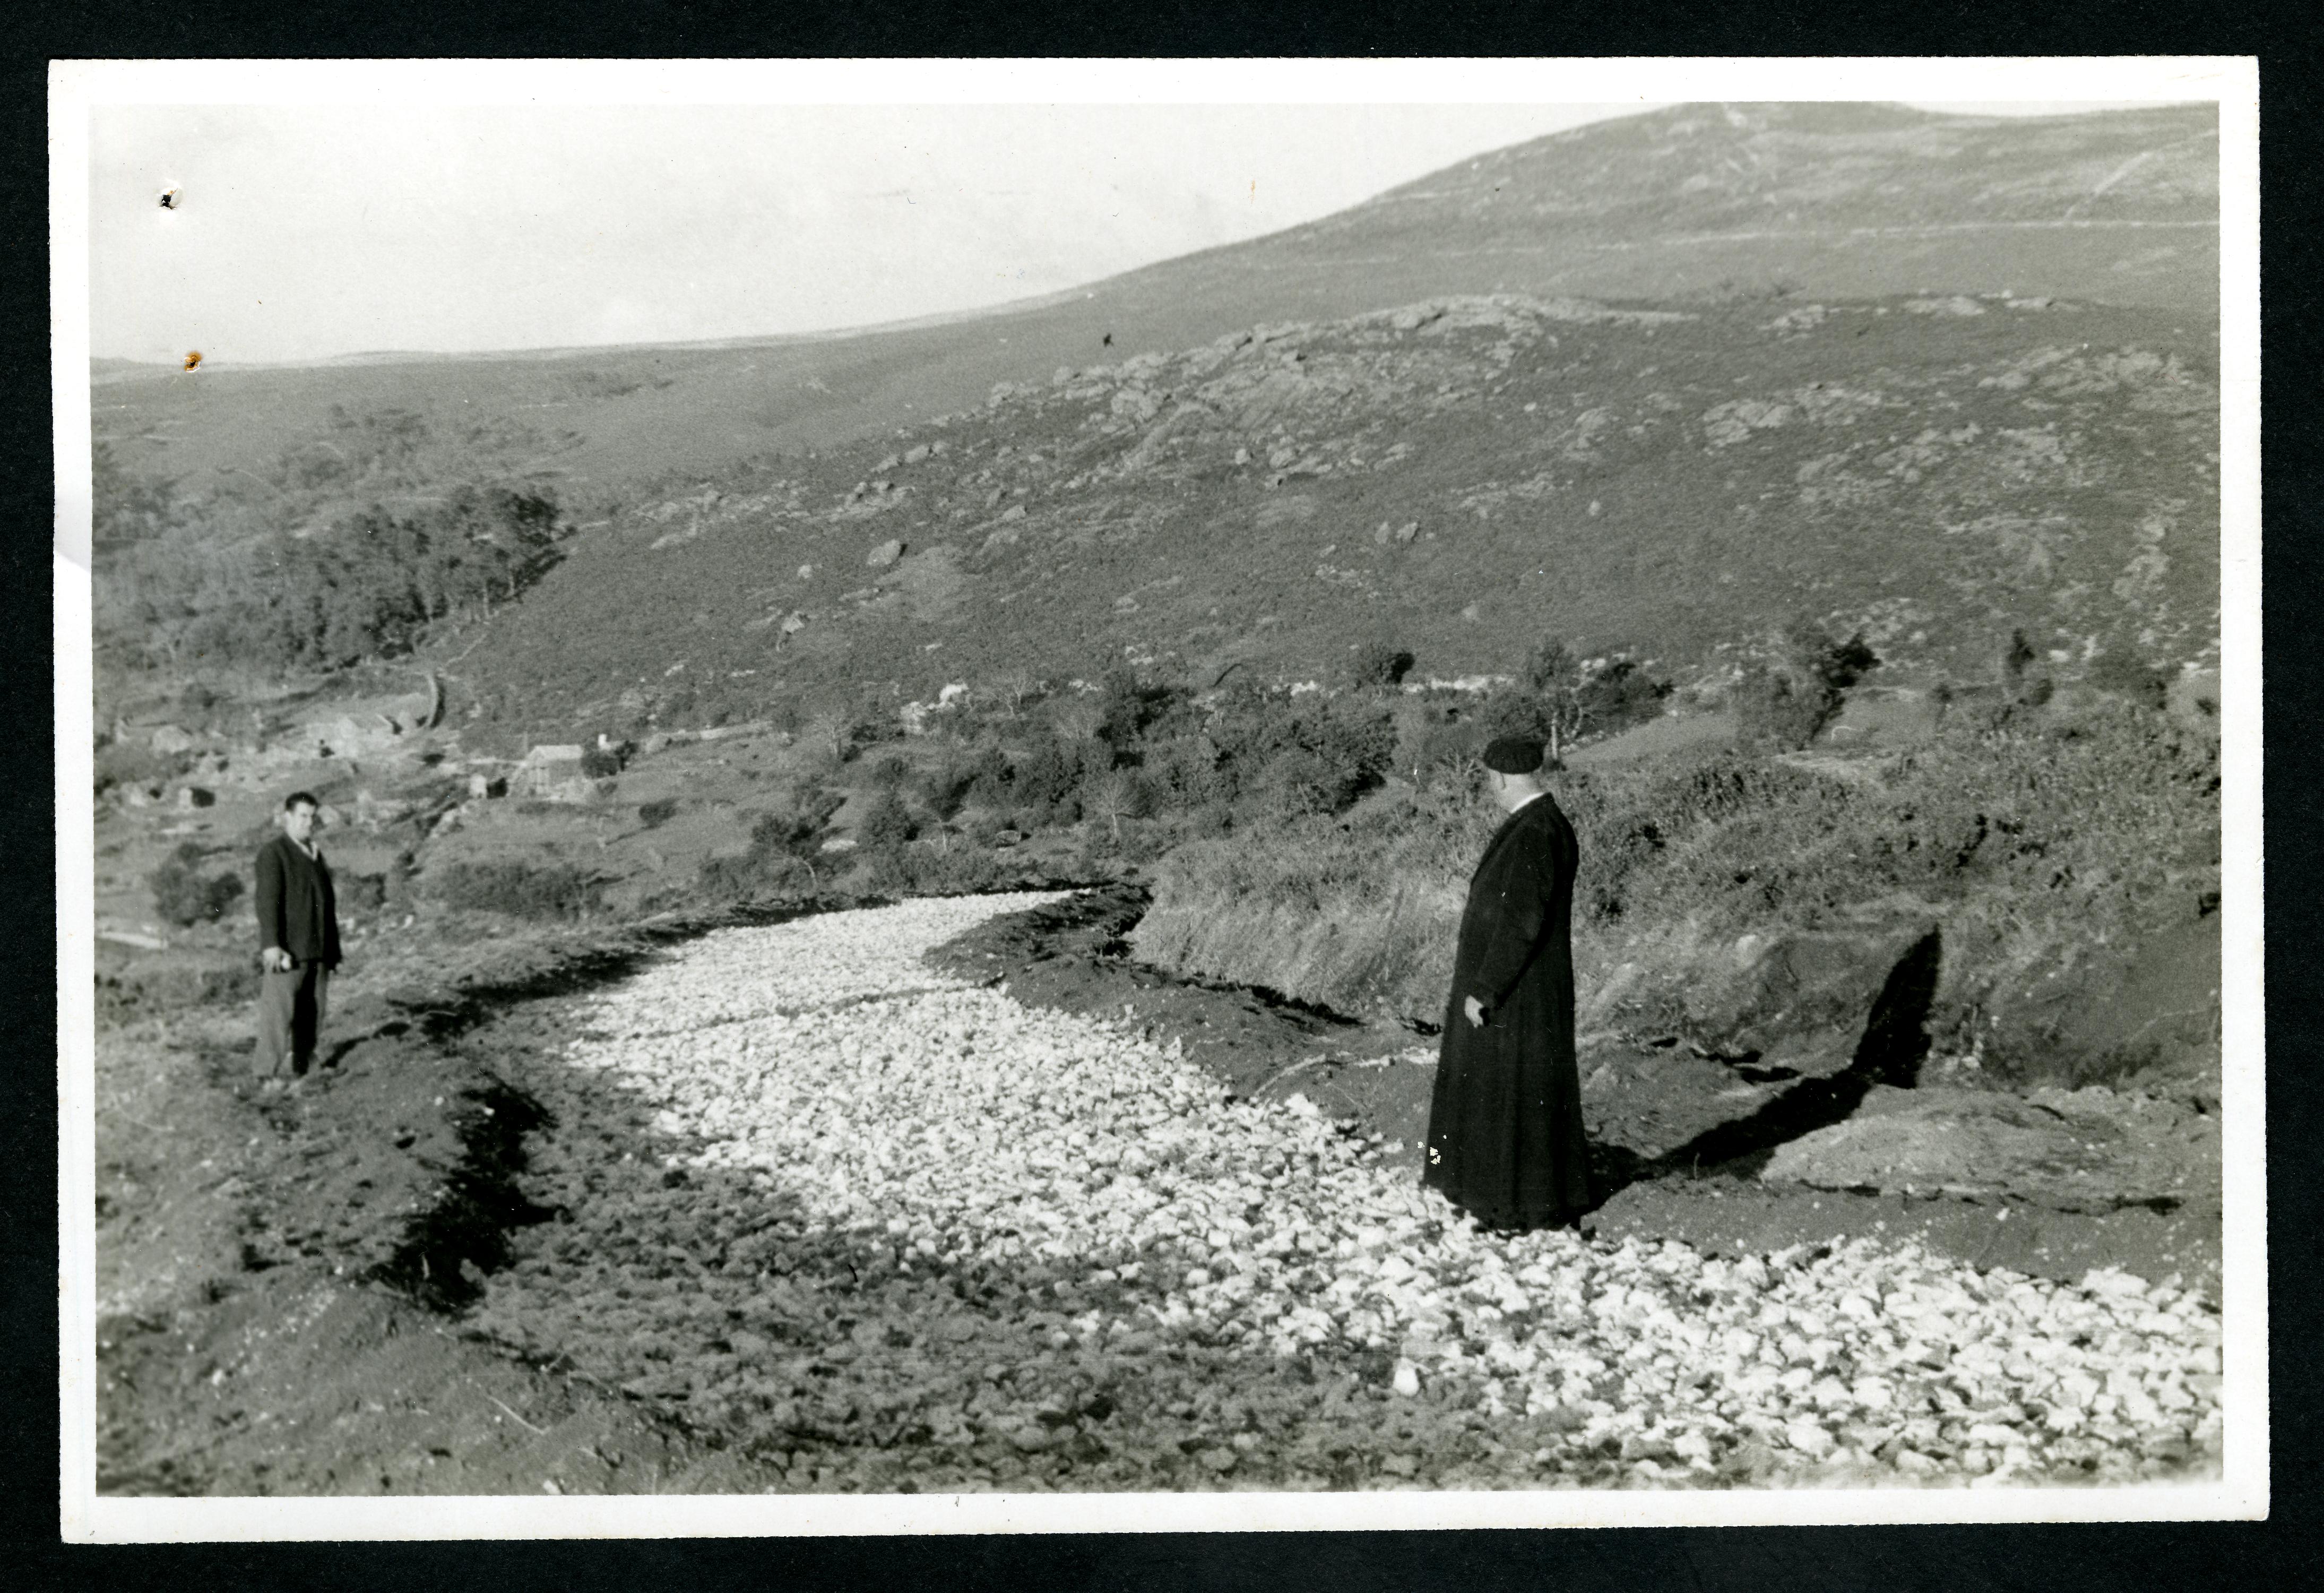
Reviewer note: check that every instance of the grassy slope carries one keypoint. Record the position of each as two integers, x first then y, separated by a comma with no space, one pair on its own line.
1668,484
1694,202
2051,858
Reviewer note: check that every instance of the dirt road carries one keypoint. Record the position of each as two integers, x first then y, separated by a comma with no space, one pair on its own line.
882,1228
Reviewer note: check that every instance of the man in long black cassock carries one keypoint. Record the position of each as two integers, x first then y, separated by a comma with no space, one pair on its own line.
1505,1136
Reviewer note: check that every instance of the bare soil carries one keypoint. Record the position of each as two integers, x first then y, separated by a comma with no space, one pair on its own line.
286,1282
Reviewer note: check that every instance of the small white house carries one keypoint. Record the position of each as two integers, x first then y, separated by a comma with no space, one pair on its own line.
548,767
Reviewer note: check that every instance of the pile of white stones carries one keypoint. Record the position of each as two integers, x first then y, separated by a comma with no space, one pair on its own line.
959,1128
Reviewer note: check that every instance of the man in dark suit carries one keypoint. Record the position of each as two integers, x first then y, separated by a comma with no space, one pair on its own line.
1504,1132
299,934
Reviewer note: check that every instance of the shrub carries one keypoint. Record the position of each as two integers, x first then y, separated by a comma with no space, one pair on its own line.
781,854
1783,706
1298,756
889,772
183,897
603,763
1185,773
957,773
1618,695
992,787
753,875
1131,706
1779,710
886,871
958,872
1431,732
1379,666
798,826
1045,775
917,868
885,823
654,814
521,889
2123,676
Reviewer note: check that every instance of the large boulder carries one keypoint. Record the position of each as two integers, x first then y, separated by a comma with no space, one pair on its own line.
885,555
2084,1150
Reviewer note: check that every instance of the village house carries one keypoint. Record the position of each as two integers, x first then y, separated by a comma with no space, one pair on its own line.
548,768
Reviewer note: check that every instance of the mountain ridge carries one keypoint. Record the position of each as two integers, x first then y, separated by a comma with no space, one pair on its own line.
657,409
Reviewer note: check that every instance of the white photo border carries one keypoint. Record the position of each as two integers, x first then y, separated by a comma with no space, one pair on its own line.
2241,1492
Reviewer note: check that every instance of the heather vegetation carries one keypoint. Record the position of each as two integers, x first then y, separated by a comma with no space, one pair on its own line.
2040,848
519,889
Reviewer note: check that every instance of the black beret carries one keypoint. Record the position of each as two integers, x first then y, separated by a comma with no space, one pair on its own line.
1513,755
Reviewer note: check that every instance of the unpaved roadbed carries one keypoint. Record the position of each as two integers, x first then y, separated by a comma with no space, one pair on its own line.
654,1218
1060,1256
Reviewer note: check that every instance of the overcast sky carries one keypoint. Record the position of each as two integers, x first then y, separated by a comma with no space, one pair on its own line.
302,232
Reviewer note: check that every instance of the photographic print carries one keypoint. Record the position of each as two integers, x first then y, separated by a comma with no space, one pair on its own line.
913,797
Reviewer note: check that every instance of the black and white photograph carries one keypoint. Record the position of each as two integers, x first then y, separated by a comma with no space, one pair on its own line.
906,797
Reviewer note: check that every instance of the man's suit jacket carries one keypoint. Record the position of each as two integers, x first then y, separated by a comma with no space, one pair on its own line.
296,908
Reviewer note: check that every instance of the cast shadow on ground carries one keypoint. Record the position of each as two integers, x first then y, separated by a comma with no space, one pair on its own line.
1895,1042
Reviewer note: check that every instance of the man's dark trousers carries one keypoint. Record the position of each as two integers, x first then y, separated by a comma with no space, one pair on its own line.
291,1007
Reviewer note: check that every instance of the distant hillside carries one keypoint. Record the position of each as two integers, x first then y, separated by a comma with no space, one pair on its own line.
1697,204
101,370
1460,477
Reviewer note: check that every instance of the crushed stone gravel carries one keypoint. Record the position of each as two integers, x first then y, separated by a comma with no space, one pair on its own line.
906,1232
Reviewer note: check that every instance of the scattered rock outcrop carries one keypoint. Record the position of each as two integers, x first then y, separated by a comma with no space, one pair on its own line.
2084,1150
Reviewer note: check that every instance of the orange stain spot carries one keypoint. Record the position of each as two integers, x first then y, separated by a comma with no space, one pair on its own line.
193,360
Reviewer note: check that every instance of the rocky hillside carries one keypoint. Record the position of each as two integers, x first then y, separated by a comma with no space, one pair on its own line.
1460,477
1697,202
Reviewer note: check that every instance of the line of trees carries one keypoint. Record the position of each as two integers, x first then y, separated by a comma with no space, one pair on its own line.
371,586
351,544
